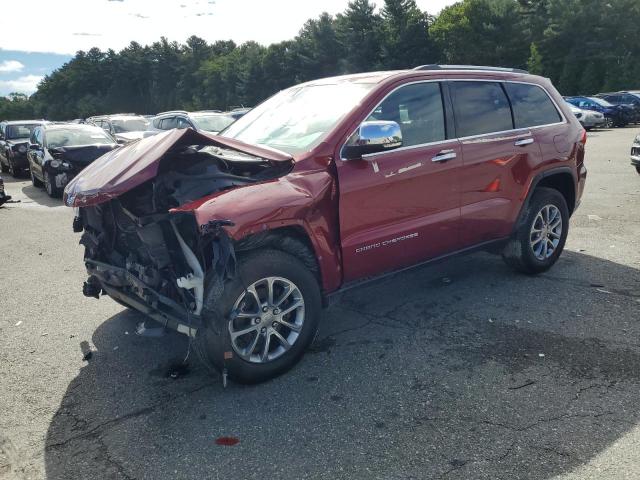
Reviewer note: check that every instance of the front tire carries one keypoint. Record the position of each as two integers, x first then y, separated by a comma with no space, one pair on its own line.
542,232
34,181
13,171
49,186
258,324
638,169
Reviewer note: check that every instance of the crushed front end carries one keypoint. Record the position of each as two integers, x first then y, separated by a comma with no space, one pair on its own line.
148,256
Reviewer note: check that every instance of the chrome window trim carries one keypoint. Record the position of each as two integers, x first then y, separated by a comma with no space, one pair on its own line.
408,147
460,139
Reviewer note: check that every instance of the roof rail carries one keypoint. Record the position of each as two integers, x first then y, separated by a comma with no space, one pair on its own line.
435,66
171,111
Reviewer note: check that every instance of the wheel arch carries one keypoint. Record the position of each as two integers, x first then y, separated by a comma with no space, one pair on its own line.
561,179
292,239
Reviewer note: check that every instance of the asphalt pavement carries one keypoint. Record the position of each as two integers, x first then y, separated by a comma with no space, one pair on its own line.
463,370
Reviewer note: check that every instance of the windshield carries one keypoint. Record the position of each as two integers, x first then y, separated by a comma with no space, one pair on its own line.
212,123
20,131
77,138
601,102
297,119
129,125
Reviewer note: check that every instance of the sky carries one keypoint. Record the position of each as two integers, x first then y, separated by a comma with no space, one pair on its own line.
57,29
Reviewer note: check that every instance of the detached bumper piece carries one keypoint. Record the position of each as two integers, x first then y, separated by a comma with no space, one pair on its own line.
126,288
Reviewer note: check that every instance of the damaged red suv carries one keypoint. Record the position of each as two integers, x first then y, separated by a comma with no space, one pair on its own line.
239,239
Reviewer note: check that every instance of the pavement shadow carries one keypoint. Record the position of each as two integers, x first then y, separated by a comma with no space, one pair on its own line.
39,196
22,190
459,370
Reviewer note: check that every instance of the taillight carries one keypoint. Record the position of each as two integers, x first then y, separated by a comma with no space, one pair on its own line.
583,138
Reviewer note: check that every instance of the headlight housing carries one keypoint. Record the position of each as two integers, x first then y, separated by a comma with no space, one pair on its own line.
59,164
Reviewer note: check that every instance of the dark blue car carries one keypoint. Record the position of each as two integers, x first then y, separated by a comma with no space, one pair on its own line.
616,115
629,101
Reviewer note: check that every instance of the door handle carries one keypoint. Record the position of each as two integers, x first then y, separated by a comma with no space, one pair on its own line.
444,155
523,141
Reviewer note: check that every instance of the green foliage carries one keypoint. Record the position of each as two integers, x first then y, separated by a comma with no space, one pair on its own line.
534,64
16,106
584,46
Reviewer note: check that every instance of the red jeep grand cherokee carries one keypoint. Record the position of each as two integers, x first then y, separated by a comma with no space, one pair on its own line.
238,239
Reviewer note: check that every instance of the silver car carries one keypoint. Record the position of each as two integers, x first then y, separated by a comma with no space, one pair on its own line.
588,118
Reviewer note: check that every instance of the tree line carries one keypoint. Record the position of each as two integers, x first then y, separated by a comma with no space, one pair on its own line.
584,46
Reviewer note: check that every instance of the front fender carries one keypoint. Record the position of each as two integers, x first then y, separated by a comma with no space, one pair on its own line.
307,200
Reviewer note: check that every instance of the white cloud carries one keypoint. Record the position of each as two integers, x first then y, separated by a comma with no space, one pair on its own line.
10,66
26,84
115,23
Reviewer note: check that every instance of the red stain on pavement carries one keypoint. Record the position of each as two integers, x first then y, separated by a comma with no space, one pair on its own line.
227,441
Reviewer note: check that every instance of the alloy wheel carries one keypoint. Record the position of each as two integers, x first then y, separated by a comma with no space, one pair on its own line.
266,320
546,231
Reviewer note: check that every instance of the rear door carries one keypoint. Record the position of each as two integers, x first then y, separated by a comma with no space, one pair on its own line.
497,159
534,109
400,207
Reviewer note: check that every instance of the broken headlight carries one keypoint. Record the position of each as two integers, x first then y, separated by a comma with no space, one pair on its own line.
59,164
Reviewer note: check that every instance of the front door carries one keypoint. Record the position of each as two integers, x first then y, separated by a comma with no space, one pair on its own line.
401,206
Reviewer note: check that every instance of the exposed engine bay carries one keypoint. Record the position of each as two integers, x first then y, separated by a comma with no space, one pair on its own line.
154,260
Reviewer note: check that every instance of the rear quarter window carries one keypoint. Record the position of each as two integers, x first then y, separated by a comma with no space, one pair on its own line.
480,107
532,106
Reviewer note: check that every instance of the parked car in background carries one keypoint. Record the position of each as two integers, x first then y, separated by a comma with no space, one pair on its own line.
235,239
4,198
626,100
3,125
238,112
587,118
212,121
635,153
58,152
124,127
13,145
615,116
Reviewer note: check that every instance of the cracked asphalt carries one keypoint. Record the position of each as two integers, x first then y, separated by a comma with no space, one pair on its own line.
462,370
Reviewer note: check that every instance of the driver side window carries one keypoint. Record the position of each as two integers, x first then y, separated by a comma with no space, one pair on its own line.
418,109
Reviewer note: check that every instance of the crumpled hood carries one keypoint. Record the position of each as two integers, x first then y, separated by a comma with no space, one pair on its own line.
123,169
81,156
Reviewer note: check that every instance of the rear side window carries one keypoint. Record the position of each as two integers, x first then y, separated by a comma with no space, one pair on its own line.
480,107
182,123
419,111
532,106
168,123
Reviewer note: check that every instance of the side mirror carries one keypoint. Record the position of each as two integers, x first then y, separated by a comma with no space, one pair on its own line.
372,137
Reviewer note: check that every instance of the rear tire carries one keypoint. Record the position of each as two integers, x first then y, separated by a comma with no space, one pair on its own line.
542,232
232,308
638,169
